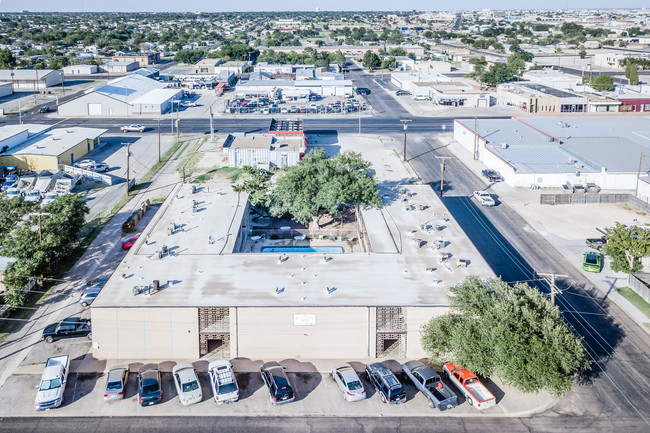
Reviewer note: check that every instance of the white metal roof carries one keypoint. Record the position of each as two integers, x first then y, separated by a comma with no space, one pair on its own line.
56,141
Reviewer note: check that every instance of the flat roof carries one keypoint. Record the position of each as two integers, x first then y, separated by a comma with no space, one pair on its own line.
55,141
548,144
251,141
204,271
9,131
549,90
25,74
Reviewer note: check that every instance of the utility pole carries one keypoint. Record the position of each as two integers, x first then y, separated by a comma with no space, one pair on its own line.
62,84
178,121
475,137
128,154
40,226
405,122
442,175
158,140
554,288
211,128
638,174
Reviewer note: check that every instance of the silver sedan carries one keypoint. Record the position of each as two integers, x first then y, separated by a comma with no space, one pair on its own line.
116,383
349,383
187,384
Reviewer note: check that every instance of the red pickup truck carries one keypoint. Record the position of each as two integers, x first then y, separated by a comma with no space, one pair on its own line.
475,392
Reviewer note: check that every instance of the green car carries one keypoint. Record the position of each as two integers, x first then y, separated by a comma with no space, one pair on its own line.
592,262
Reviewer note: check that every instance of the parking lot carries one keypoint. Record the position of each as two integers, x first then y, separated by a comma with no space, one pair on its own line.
316,393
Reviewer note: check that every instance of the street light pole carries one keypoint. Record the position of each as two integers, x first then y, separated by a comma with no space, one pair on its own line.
158,140
405,122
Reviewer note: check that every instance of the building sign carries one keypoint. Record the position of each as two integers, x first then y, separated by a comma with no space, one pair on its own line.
304,320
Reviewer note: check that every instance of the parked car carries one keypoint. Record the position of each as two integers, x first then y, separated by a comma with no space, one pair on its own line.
99,281
484,198
11,181
429,383
402,92
187,384
363,91
100,167
88,296
12,193
277,382
33,196
223,382
475,392
421,98
127,243
67,328
492,175
149,385
85,164
188,104
116,383
349,383
52,385
596,243
50,197
592,261
133,128
386,384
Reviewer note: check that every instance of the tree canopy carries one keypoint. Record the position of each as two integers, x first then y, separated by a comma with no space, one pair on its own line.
36,256
7,59
510,330
319,185
371,60
188,56
603,82
626,246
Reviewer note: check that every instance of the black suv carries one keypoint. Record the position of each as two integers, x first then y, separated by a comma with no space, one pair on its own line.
363,91
276,381
67,328
386,384
149,385
492,176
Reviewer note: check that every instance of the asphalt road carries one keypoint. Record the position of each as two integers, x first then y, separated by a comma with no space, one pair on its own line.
619,349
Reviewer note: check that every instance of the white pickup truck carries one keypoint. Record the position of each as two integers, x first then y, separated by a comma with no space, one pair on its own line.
484,198
52,385
475,392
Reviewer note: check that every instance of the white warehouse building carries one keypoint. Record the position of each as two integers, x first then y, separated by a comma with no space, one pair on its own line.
551,151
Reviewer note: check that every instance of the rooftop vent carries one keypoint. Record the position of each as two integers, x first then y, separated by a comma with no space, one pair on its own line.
504,145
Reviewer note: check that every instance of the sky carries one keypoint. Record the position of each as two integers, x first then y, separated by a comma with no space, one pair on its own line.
293,5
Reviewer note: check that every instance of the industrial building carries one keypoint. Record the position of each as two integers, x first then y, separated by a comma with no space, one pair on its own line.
142,59
283,146
38,147
119,67
79,70
6,89
31,79
124,96
551,151
537,98
200,280
554,79
294,88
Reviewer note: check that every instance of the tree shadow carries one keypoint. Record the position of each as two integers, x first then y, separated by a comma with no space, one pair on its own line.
582,306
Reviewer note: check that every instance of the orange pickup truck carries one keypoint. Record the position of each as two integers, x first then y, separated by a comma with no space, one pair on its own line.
475,392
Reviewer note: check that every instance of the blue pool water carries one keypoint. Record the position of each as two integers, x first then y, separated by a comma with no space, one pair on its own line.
331,250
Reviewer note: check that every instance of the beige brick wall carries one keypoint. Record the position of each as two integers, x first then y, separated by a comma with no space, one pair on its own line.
270,333
415,318
145,333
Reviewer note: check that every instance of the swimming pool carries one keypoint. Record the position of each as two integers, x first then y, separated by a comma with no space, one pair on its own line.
330,250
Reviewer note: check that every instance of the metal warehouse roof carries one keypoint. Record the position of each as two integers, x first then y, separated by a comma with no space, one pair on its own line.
55,141
128,88
157,96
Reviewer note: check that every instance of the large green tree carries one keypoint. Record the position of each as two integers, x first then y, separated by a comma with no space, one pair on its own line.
498,73
603,82
188,56
512,331
7,59
321,185
40,248
371,60
626,246
257,186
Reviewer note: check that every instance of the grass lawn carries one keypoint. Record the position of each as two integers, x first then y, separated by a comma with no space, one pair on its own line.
636,300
